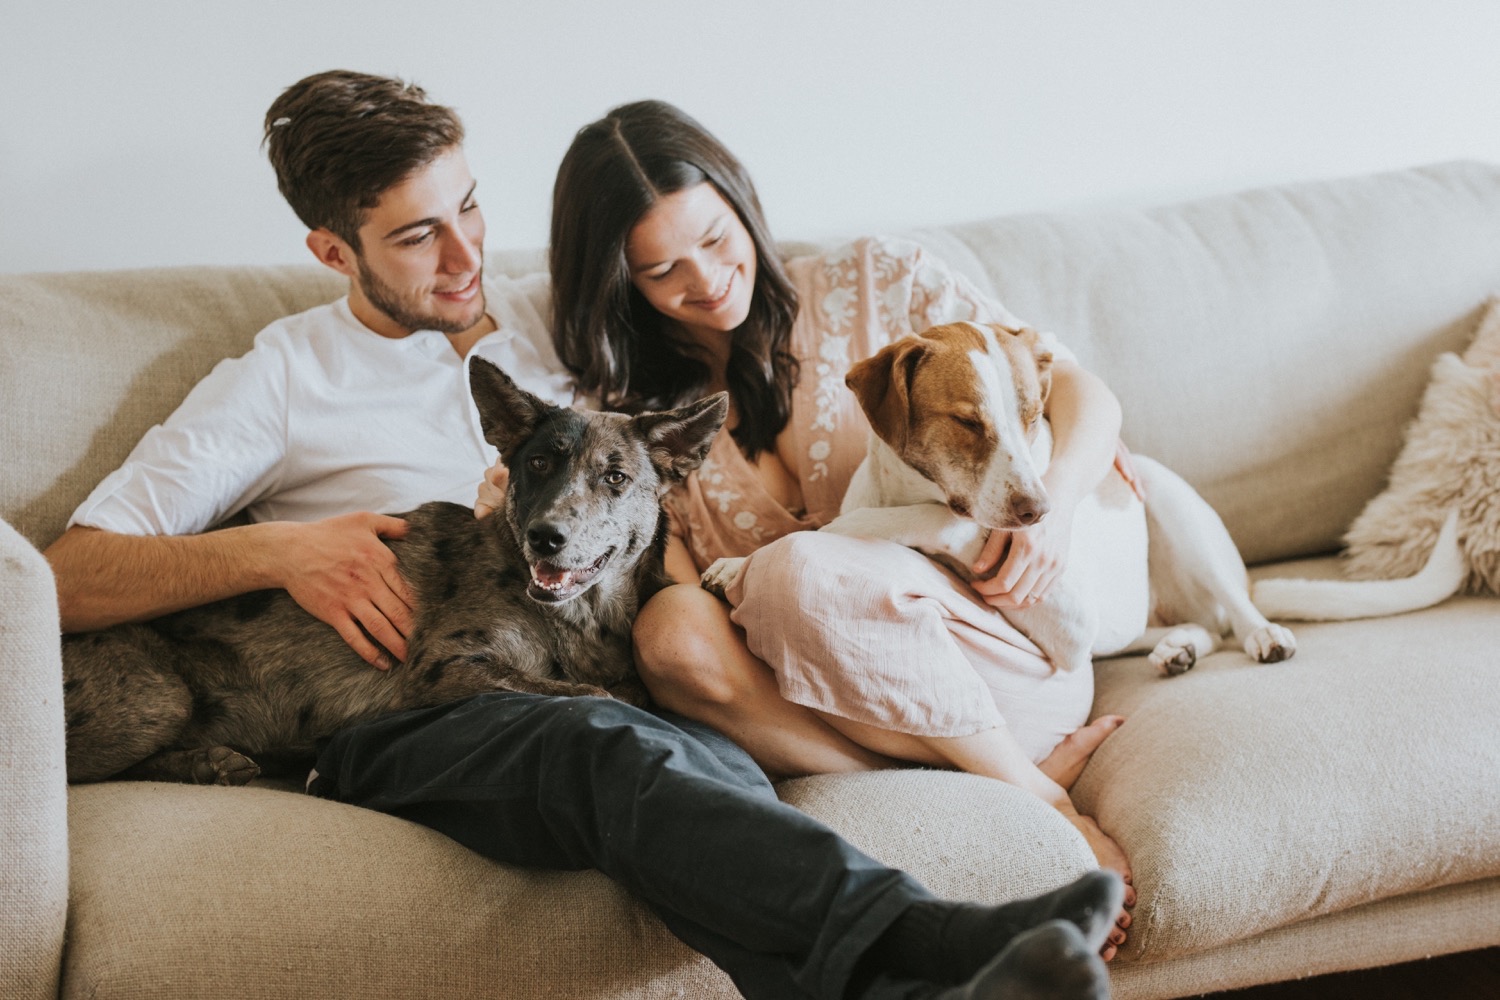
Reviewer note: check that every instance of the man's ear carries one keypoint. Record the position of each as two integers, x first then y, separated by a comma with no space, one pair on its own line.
333,252
882,384
508,414
678,440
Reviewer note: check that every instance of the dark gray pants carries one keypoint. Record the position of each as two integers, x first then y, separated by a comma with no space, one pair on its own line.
670,809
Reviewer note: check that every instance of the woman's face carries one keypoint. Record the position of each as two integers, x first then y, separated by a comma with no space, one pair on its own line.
694,261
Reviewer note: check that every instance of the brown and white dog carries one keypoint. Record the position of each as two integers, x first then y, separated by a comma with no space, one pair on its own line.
958,448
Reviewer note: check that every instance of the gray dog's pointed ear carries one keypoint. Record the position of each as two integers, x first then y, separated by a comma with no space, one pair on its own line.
678,440
507,413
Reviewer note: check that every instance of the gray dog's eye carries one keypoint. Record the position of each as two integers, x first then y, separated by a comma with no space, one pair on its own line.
614,477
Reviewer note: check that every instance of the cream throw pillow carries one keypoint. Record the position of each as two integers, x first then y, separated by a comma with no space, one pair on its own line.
1451,459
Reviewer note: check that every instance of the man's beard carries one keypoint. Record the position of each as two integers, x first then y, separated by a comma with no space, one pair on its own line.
406,312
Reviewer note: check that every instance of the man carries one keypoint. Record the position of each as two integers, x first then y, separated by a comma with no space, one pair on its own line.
362,405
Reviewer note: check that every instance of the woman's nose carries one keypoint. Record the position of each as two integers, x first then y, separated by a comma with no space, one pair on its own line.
700,278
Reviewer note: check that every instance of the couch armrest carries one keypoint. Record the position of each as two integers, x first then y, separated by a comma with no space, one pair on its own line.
33,775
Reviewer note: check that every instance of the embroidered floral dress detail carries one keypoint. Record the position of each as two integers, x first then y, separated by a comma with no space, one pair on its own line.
854,301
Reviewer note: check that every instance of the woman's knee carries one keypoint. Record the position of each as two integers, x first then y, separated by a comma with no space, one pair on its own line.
686,647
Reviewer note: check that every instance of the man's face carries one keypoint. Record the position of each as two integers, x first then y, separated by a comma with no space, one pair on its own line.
422,254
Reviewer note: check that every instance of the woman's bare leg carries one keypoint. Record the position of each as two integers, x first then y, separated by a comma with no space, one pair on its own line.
694,661
995,753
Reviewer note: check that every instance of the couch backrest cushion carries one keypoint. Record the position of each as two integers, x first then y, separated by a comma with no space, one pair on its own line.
1270,346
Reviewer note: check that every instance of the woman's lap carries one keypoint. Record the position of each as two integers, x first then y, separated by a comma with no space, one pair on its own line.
878,633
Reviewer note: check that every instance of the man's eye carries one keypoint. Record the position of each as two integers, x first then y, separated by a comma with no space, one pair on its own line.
614,477
416,241
539,463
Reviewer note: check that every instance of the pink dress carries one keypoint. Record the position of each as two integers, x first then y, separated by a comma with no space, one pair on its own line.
864,629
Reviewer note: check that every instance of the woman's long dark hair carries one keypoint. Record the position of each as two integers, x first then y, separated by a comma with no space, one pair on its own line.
606,333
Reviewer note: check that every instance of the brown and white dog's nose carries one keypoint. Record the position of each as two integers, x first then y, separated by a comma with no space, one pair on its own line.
1028,510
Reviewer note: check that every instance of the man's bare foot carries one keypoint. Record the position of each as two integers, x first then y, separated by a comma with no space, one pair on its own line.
1065,763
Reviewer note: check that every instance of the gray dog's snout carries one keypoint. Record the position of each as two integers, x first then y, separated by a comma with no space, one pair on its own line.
546,539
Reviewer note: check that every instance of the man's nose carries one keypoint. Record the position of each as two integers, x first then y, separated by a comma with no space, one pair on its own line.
461,253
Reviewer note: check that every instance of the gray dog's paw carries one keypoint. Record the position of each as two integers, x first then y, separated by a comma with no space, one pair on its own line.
221,766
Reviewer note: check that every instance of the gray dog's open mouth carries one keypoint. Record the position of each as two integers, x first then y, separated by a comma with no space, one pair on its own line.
552,583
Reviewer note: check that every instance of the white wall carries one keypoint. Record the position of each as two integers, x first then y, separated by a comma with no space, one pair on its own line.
129,133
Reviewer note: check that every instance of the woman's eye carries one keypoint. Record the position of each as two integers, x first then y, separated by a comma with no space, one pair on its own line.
615,477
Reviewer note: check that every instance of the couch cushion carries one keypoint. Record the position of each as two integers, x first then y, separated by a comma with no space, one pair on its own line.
1251,797
188,892
1269,345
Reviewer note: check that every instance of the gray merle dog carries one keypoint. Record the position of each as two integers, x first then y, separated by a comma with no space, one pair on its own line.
540,599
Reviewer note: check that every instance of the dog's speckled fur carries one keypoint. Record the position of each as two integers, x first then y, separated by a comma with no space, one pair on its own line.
204,694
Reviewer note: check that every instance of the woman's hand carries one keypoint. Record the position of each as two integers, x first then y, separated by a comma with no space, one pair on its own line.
492,490
1033,560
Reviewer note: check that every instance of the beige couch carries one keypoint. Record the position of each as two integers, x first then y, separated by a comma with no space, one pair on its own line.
1336,811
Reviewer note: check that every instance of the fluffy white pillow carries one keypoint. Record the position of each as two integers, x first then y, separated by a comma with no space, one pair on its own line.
1451,459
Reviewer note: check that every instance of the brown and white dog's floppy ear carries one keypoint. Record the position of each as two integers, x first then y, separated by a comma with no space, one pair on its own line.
678,440
882,384
508,414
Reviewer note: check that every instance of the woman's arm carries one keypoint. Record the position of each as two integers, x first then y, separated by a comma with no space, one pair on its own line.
1085,418
680,565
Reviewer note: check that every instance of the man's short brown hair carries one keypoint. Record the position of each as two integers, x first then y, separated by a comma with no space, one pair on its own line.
339,140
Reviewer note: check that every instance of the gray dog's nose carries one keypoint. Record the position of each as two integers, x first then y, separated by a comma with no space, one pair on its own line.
545,539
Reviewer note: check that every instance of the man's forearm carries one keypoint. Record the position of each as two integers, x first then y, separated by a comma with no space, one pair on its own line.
105,578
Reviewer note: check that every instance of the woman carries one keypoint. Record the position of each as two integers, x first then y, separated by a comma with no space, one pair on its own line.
833,654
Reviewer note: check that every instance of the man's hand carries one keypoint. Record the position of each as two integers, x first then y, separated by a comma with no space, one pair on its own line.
341,573
492,490
1033,560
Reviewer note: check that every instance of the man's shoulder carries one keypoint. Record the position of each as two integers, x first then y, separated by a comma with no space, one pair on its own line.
313,331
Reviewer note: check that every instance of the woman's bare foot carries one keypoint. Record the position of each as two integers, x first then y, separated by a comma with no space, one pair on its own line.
1112,857
1065,763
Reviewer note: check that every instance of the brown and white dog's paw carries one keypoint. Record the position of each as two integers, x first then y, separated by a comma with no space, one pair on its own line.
718,577
1179,650
1271,644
